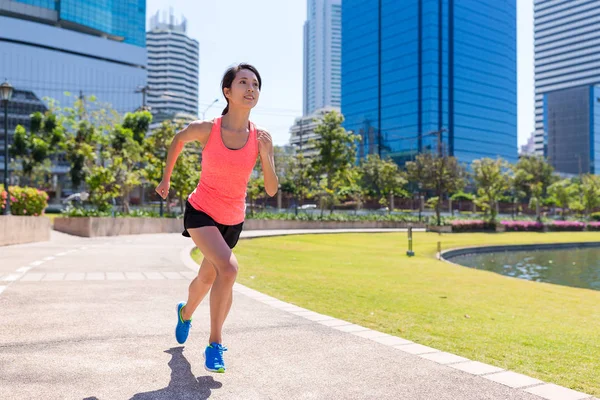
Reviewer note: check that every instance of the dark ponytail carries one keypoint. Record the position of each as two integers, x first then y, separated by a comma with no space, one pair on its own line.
230,75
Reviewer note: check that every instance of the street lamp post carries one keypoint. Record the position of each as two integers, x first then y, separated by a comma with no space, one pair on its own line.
6,91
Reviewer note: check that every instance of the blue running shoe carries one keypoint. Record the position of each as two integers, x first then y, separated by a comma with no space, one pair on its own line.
183,327
213,356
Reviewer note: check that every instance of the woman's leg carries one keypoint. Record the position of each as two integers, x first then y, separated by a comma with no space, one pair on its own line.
212,245
198,289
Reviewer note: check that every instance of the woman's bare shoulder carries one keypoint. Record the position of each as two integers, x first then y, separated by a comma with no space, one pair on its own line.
196,131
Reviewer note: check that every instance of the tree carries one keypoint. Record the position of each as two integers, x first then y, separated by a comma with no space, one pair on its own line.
532,177
34,147
80,151
298,181
590,189
564,193
492,181
103,187
441,175
381,179
336,153
353,188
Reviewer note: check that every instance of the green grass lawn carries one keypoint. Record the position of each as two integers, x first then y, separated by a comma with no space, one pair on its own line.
546,331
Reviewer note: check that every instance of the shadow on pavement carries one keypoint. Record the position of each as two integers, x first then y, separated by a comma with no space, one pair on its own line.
183,384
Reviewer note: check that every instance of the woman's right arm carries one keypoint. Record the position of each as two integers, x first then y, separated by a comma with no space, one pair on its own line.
197,130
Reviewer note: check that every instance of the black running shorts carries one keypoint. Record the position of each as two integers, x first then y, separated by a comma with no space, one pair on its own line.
193,218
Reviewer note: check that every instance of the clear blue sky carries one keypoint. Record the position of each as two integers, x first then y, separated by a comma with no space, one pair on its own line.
268,34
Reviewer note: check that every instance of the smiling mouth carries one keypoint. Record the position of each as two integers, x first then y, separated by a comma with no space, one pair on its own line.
249,97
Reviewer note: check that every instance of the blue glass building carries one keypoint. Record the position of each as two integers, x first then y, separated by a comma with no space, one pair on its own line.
416,70
122,20
567,73
572,123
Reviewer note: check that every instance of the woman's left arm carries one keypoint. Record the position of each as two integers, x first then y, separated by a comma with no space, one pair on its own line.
267,159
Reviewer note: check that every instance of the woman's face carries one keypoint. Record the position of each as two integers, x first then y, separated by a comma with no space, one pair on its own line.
244,91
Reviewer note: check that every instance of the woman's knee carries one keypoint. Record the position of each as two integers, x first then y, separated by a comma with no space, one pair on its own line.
226,268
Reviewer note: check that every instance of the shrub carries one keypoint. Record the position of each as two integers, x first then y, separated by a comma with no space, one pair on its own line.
523,226
24,201
470,225
561,226
595,216
593,226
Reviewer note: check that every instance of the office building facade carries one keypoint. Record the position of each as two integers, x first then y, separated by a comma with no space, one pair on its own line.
567,69
173,66
322,55
415,72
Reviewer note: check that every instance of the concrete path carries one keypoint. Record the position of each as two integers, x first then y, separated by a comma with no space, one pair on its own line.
94,319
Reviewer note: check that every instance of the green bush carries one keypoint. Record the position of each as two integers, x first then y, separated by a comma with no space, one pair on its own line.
84,212
24,201
595,216
342,217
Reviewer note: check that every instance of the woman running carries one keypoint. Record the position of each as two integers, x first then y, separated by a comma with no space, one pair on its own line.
215,210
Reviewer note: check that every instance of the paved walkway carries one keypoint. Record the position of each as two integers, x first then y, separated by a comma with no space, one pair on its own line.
94,319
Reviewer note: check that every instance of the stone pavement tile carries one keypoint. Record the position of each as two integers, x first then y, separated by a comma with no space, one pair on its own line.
554,392
94,276
334,322
55,276
135,276
189,274
23,269
32,277
443,358
513,379
36,263
304,313
416,349
369,334
292,308
316,317
476,367
154,275
390,340
11,277
75,276
173,275
115,276
350,328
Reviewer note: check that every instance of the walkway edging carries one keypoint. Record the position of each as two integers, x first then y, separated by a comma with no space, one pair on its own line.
508,378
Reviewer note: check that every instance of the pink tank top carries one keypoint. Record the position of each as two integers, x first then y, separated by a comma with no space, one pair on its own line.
221,192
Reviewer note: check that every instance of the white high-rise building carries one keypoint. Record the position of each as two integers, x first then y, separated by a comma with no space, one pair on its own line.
322,55
173,66
567,56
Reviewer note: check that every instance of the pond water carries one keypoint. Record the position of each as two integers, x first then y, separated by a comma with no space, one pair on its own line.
570,267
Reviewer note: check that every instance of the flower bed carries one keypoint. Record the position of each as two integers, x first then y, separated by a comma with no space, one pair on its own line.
466,225
562,226
522,226
593,226
24,201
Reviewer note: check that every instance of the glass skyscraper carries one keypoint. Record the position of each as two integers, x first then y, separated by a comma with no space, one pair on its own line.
322,55
122,20
414,72
572,121
567,69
